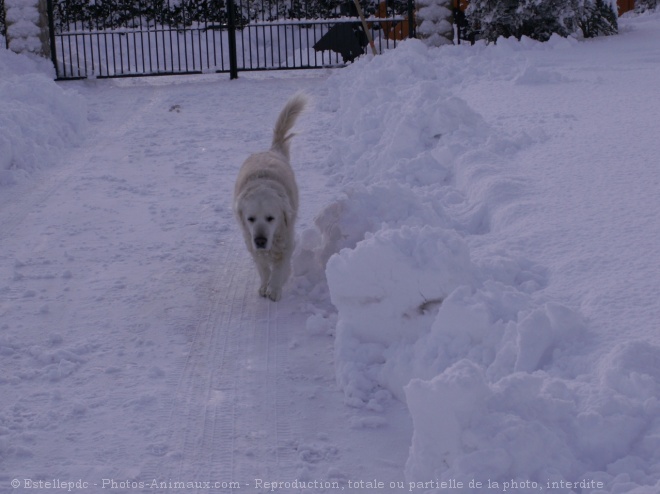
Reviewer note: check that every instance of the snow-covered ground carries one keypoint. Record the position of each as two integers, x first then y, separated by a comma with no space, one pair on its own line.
474,302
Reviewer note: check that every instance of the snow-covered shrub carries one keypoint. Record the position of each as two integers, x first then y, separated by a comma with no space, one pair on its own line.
540,19
645,5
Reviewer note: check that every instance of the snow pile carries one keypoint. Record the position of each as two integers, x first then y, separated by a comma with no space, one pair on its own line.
495,374
39,118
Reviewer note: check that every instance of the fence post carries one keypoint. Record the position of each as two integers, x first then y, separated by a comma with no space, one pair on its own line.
233,63
434,22
412,29
27,27
51,32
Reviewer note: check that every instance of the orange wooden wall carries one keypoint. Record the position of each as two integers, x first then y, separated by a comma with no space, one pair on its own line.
625,5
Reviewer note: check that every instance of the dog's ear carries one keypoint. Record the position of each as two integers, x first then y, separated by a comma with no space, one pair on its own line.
238,208
286,214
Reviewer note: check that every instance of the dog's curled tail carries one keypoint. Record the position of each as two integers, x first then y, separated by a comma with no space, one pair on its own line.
286,120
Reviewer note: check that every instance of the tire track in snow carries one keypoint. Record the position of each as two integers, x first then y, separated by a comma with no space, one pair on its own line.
263,432
227,422
201,416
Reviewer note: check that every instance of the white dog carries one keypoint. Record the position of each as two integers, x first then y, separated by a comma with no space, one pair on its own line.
266,204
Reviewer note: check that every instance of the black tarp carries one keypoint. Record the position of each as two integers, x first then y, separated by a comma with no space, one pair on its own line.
347,39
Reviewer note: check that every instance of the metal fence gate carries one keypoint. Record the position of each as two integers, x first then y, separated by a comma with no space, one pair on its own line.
123,38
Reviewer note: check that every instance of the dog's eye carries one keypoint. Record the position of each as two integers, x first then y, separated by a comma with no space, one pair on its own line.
269,219
251,219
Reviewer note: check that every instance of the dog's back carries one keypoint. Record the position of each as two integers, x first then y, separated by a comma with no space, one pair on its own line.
274,163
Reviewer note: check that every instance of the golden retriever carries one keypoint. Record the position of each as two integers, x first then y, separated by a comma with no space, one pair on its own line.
266,204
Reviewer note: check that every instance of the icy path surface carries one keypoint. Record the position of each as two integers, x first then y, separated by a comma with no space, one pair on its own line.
139,349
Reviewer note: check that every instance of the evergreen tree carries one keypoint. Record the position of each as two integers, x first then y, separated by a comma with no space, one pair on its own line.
598,19
111,14
3,23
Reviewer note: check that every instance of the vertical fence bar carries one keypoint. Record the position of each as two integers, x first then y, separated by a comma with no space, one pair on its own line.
279,47
185,37
91,54
233,63
98,51
70,61
79,70
121,54
84,53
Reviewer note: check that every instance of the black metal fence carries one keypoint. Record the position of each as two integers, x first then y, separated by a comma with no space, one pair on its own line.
122,38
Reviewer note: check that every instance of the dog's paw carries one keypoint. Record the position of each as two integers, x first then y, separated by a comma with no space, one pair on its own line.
269,292
274,294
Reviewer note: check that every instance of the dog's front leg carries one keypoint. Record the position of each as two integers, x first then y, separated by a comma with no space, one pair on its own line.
279,274
263,268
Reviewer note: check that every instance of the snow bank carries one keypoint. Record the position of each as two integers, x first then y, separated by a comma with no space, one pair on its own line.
39,118
493,372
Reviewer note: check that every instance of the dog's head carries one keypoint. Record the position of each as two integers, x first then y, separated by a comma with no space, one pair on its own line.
263,215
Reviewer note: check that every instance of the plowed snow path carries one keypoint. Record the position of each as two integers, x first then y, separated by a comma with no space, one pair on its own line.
134,343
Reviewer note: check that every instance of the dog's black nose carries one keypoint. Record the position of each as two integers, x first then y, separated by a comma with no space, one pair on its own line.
260,242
